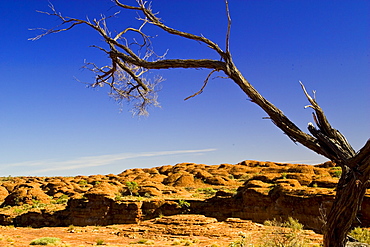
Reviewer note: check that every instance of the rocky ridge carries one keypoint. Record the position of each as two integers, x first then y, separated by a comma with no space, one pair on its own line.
250,190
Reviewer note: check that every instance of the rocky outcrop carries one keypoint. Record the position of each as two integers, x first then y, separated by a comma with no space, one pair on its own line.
95,210
3,193
250,190
26,193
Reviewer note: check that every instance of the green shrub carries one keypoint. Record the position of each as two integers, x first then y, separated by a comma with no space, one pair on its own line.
132,186
71,228
290,223
46,241
189,188
8,178
82,182
244,177
285,234
21,209
293,224
143,241
100,242
184,204
361,234
240,242
118,197
185,242
38,204
337,172
207,191
63,199
147,195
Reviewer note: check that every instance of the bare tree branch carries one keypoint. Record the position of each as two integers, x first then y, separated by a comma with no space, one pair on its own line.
228,27
157,22
202,88
339,147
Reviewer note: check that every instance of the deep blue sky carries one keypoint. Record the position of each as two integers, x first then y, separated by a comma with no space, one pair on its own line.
51,124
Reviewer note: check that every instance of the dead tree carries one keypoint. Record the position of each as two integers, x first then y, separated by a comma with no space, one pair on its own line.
125,76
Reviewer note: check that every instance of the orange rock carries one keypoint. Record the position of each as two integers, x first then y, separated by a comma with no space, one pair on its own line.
26,193
3,193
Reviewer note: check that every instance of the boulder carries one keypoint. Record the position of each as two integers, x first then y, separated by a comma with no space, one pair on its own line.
27,193
3,193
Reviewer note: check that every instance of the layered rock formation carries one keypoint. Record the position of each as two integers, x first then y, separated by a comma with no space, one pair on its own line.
252,190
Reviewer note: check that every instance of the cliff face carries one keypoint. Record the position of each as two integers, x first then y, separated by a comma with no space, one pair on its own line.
249,190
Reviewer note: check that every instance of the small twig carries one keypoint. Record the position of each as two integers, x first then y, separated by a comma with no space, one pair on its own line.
310,99
204,85
315,119
228,27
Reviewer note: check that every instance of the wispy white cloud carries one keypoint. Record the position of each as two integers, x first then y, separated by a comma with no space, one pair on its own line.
316,161
93,161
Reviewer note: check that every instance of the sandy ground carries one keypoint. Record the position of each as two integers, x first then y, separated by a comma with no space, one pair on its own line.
181,230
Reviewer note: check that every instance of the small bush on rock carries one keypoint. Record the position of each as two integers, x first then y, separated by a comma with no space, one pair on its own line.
132,186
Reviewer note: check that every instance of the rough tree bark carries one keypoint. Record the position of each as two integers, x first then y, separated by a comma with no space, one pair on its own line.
126,79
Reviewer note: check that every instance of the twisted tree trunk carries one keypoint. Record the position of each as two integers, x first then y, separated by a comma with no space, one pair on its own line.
350,193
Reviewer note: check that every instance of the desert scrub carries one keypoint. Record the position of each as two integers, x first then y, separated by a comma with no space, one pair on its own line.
8,178
290,223
189,188
10,240
184,205
336,172
207,191
284,234
71,228
231,190
96,182
244,178
143,241
38,204
63,199
241,241
132,187
18,210
361,234
46,241
196,195
82,183
100,242
118,197
185,242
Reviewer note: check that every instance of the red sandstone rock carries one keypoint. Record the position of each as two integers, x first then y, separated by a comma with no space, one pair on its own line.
26,193
104,189
266,190
3,193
